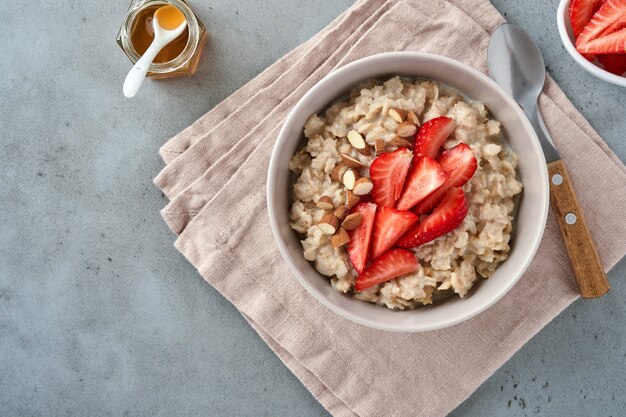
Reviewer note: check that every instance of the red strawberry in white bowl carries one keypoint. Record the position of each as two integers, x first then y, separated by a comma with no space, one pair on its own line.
425,177
459,164
358,247
391,265
432,135
594,34
388,173
389,226
446,217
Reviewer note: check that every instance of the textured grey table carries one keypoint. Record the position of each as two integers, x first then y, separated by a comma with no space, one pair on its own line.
99,315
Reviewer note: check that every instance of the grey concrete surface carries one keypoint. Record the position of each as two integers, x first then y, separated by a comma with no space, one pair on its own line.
100,316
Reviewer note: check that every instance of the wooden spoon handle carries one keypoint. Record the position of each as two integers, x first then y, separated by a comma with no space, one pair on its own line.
581,249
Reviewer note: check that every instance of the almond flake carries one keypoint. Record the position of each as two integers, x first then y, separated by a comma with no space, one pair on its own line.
380,146
407,129
411,117
341,212
397,114
362,186
352,199
340,238
356,140
400,142
329,224
365,151
338,171
352,221
350,161
349,178
364,128
358,143
325,203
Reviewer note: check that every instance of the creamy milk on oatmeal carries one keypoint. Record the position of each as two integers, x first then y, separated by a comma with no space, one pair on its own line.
451,263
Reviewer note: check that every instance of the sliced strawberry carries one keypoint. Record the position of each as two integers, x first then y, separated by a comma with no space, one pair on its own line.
609,18
425,176
615,43
427,205
432,135
388,266
359,244
460,164
614,27
388,173
613,63
580,13
447,216
389,225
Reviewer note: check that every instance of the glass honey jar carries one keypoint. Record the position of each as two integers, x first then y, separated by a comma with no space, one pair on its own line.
178,58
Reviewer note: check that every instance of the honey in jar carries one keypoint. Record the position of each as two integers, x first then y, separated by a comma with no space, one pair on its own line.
179,57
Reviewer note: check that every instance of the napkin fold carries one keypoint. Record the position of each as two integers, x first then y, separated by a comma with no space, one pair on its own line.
218,208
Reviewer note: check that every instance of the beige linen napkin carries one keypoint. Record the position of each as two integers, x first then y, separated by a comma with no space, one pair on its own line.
218,207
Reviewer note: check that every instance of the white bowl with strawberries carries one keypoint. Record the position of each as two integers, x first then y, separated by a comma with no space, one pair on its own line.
594,34
407,193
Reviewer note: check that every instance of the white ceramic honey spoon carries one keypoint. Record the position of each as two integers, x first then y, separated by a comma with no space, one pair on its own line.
168,24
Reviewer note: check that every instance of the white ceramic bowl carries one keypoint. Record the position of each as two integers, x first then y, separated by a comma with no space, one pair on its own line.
567,37
533,206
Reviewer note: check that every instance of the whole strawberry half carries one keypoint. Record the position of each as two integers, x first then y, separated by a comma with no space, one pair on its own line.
358,247
432,135
388,173
425,176
605,33
388,266
460,165
580,13
389,225
448,215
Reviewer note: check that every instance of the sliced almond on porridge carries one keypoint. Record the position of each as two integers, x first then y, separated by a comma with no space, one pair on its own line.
364,128
325,203
341,212
446,285
340,238
349,178
412,117
329,224
338,171
352,199
352,221
358,143
380,146
356,140
398,115
401,142
407,129
365,151
362,186
350,161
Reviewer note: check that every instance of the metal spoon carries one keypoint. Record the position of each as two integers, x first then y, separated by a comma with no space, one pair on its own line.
515,62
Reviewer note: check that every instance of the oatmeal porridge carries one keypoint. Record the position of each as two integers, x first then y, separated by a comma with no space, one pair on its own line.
404,193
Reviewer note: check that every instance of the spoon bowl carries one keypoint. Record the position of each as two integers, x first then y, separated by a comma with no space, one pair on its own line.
516,63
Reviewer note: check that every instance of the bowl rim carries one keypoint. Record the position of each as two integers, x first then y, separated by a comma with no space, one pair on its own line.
563,24
283,136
